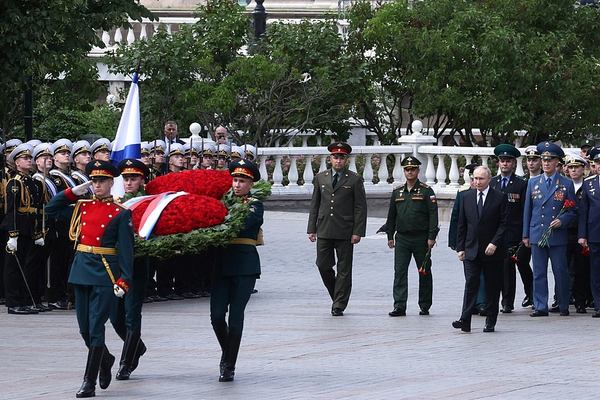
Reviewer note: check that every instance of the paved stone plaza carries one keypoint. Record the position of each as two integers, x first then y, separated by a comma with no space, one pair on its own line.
294,349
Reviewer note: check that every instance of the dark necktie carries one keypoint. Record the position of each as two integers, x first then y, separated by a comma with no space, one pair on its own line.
335,180
548,182
480,204
503,184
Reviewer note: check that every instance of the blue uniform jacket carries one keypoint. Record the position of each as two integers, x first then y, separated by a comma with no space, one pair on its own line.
589,211
543,205
117,231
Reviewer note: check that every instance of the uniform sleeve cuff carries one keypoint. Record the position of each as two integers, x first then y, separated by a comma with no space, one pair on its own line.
70,195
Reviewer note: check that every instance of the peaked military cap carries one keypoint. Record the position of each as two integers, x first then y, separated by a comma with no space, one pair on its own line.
594,154
99,169
507,150
410,162
244,168
101,144
339,148
22,150
532,151
575,160
12,144
157,146
42,149
62,145
131,166
471,167
587,143
176,148
549,150
80,146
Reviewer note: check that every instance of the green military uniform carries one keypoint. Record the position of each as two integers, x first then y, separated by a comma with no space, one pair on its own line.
413,219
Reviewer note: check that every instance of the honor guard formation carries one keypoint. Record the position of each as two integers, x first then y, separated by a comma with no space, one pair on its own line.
70,244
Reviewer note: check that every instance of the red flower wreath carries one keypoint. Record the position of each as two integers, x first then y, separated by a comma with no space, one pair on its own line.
184,214
212,183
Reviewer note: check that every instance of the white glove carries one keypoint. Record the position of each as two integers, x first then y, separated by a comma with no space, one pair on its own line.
11,245
39,242
82,189
118,291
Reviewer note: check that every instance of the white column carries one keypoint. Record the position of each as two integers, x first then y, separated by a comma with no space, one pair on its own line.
352,166
309,175
278,173
262,168
130,36
368,171
441,171
323,166
454,175
430,171
118,37
293,172
382,172
397,172
143,31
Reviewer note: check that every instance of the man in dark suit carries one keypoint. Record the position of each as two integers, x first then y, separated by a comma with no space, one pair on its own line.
482,226
589,228
171,134
546,196
338,217
514,187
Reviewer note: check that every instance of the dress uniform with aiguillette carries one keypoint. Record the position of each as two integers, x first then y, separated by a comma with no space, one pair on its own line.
100,271
413,221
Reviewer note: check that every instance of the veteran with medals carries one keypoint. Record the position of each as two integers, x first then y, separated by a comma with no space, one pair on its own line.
545,231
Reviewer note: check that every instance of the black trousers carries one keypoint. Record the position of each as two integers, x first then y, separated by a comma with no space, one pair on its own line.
492,272
15,287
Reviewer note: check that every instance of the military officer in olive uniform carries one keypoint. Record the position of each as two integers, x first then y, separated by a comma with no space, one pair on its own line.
515,188
337,221
236,269
413,219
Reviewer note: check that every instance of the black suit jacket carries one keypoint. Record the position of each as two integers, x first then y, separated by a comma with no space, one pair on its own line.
475,233
515,191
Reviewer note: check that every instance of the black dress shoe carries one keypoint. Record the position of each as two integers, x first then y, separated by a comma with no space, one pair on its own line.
489,328
148,300
564,313
539,313
423,312
554,309
596,314
159,298
175,296
482,311
19,310
59,305
42,308
397,312
337,312
506,310
2,301
190,295
581,310
527,301
462,325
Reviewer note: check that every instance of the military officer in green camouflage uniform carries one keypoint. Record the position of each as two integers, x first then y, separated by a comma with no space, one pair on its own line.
413,218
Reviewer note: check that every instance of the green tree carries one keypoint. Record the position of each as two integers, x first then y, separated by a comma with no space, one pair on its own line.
44,38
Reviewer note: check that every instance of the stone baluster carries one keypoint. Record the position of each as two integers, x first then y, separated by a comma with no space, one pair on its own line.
454,175
352,166
309,175
143,31
484,161
293,172
323,166
118,37
278,173
368,171
169,31
519,171
382,173
430,171
441,171
262,168
397,172
130,36
106,38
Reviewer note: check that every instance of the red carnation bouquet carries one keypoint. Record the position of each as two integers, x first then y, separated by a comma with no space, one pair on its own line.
206,182
568,205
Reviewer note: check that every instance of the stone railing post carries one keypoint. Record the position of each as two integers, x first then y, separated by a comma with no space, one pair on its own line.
416,140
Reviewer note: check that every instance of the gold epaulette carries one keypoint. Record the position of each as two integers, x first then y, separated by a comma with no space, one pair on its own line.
424,185
398,187
590,177
462,189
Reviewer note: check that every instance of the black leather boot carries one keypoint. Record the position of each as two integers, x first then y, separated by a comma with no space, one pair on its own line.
127,355
222,332
105,375
140,351
230,357
88,388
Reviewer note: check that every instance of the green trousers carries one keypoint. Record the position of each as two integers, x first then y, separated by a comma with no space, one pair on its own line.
408,246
